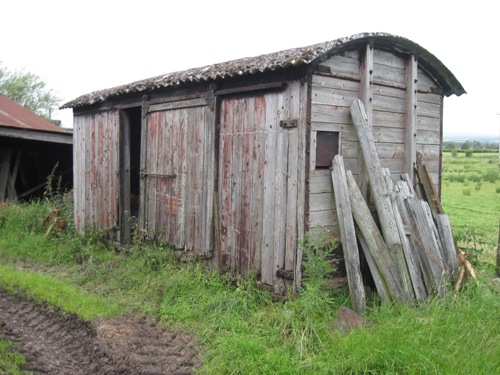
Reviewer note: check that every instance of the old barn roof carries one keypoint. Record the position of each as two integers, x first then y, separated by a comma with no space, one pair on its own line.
19,122
281,60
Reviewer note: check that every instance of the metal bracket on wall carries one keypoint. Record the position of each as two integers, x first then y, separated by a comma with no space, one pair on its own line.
289,123
158,175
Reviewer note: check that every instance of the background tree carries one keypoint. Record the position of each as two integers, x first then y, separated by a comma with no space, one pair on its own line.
28,90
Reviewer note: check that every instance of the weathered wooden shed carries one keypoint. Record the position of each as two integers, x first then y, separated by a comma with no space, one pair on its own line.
30,148
232,161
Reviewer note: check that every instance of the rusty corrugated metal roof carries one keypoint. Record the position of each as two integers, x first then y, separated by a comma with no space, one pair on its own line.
15,115
279,60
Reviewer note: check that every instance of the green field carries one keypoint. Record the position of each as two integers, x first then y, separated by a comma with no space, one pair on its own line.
471,198
240,329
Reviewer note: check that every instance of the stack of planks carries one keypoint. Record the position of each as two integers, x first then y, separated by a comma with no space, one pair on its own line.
412,256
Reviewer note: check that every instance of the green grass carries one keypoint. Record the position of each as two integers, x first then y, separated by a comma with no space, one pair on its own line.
474,213
11,361
240,329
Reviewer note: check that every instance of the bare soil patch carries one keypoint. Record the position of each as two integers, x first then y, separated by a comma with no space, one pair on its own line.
63,344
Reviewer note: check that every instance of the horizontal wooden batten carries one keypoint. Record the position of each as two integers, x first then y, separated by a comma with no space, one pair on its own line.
335,83
264,86
176,105
36,135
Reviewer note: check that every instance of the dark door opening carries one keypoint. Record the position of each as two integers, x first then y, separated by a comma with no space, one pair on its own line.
130,159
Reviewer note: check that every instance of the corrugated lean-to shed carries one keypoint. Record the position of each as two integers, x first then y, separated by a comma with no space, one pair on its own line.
232,161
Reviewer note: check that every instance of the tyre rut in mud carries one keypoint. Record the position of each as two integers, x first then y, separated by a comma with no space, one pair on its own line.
63,344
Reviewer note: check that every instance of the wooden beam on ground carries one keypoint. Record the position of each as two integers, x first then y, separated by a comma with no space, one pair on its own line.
377,248
348,235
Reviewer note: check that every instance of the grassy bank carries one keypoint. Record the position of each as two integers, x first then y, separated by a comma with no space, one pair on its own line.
240,329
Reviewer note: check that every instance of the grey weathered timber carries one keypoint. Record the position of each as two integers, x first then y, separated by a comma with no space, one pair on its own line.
411,114
377,180
428,250
380,284
348,235
376,246
379,188
429,188
402,258
412,260
366,96
446,236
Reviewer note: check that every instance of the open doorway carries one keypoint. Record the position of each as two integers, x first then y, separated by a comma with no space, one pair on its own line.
130,160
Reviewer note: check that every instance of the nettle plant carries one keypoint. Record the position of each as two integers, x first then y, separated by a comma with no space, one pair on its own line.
318,247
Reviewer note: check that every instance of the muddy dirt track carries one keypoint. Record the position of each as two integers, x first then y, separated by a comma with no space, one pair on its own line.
57,344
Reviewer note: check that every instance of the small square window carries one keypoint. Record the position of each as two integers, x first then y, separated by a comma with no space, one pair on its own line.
327,146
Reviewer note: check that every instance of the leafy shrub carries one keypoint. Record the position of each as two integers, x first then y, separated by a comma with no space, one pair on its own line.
466,192
318,247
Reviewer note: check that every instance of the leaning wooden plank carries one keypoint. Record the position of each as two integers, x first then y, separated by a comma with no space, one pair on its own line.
380,285
431,194
427,248
402,259
378,184
446,235
414,267
348,235
377,248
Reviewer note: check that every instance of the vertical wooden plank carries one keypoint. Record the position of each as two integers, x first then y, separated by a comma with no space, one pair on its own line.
142,169
291,178
446,235
366,96
269,189
260,125
348,235
411,68
11,188
198,123
124,183
247,187
181,129
280,204
208,179
302,174
312,153
225,172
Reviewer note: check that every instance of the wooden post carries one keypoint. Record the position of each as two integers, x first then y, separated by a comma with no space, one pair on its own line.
366,96
11,188
411,114
348,235
378,249
5,155
380,190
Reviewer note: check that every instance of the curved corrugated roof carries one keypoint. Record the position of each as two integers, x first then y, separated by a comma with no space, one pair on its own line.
280,60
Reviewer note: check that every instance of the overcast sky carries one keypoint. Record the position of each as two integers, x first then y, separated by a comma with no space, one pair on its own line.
79,47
